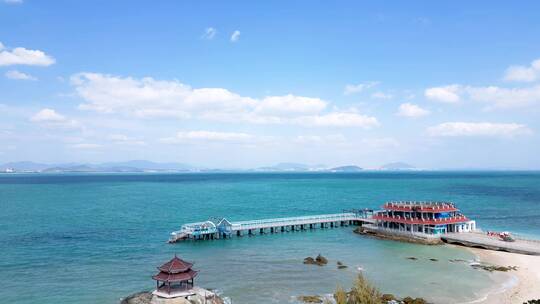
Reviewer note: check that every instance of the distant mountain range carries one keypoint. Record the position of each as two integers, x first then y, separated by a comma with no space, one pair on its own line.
397,166
149,166
346,169
129,166
285,167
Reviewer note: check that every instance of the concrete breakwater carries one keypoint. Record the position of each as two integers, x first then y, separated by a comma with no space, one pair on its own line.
483,241
401,236
470,239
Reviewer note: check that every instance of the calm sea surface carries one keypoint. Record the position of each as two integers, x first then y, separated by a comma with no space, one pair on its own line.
97,238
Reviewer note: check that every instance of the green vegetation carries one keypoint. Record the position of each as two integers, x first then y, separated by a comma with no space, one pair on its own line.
340,295
362,292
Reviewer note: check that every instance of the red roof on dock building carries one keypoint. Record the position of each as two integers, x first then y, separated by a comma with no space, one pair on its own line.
434,207
404,220
421,217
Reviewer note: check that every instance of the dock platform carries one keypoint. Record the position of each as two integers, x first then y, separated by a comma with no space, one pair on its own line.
484,241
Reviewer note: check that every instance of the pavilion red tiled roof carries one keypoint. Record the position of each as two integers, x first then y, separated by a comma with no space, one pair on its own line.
175,266
175,277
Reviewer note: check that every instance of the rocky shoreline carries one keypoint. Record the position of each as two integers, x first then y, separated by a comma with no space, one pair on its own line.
146,297
143,297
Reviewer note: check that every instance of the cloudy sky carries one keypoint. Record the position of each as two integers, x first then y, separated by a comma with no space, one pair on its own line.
251,83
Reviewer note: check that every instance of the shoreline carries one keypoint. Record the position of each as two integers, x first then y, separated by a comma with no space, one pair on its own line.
520,285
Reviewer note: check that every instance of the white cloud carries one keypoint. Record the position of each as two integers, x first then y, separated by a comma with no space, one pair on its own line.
482,129
150,98
381,95
147,97
121,139
50,118
357,88
209,33
523,73
86,146
14,74
235,36
493,96
411,110
24,56
379,143
320,139
446,94
504,98
289,105
339,119
208,136
48,115
13,1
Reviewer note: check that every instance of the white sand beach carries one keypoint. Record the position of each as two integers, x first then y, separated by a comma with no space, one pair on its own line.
527,286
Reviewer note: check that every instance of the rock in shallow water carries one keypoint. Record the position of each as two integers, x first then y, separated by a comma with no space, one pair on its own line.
412,258
319,260
310,299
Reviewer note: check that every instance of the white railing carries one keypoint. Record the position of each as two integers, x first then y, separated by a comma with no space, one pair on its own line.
291,221
203,228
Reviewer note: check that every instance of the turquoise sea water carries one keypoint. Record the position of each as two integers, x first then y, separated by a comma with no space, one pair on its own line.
97,238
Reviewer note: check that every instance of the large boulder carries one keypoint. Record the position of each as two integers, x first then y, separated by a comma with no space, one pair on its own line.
321,260
143,297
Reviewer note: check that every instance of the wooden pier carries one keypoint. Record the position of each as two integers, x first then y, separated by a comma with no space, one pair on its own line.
222,228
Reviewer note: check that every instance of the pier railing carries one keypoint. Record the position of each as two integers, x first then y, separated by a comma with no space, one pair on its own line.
222,227
290,221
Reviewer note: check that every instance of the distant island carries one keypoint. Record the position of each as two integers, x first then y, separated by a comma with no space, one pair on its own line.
141,166
346,169
397,166
132,166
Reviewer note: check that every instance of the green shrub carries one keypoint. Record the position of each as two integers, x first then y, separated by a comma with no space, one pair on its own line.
340,296
363,292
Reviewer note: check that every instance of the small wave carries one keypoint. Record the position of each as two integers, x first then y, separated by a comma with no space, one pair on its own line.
505,286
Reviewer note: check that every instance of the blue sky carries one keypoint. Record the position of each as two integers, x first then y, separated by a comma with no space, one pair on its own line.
251,83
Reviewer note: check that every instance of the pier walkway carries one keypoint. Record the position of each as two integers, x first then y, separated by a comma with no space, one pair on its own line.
484,241
222,228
